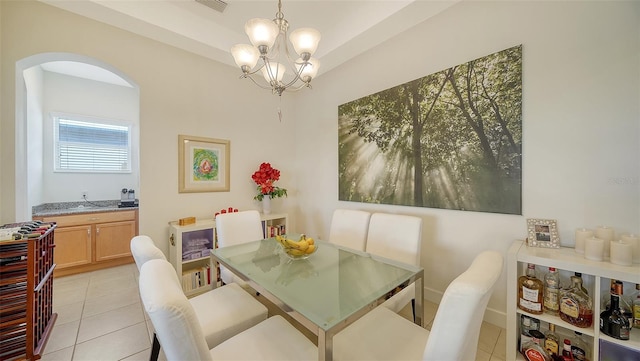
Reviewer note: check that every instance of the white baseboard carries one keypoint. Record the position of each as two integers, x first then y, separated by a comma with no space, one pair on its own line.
492,316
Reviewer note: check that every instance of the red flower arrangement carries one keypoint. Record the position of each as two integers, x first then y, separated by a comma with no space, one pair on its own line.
264,177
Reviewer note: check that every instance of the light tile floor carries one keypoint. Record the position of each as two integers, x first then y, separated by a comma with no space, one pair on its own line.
101,317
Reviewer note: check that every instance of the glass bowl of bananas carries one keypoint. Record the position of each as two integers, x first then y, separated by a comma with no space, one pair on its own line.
301,248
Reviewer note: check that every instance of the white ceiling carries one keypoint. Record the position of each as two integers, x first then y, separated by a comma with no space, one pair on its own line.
348,27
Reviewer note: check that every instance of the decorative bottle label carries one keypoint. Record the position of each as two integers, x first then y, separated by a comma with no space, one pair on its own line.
569,307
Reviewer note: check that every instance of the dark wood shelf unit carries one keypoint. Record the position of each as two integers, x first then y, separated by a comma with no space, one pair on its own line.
26,296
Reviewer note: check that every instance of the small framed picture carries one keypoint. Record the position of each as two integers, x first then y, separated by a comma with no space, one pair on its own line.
203,164
542,233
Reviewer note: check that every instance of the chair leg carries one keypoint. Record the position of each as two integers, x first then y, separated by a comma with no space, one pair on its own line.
413,308
155,348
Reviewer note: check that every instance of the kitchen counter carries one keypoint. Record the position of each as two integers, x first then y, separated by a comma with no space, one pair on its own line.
69,208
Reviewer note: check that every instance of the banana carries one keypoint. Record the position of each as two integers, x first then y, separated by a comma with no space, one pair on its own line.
296,252
310,241
301,245
310,249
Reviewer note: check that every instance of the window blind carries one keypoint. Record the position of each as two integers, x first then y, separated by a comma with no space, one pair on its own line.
92,146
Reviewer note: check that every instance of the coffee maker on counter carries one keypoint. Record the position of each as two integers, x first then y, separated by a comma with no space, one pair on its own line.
127,198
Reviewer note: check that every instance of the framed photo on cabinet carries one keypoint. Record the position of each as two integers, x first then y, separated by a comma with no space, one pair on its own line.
542,233
203,164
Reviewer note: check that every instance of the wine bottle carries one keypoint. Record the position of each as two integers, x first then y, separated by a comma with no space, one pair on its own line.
579,348
613,322
576,306
551,341
551,291
636,307
530,291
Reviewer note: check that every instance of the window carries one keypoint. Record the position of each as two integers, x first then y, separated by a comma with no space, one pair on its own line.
91,145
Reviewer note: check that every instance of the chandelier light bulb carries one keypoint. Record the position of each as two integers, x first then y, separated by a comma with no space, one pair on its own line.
305,40
273,72
261,32
245,56
310,70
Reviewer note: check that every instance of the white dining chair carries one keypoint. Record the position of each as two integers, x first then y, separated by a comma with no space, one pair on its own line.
397,237
222,312
176,324
384,335
349,228
237,228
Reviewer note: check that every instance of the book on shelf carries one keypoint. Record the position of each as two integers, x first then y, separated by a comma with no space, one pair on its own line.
196,278
275,230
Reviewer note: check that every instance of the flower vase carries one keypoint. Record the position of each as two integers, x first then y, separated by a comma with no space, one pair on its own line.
266,204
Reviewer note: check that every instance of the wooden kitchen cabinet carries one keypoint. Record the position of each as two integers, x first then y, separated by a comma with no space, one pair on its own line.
73,246
91,241
106,248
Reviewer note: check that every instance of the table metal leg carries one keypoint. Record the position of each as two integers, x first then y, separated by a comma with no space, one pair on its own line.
419,300
325,346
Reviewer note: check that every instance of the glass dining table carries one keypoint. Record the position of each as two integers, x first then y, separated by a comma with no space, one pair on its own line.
325,292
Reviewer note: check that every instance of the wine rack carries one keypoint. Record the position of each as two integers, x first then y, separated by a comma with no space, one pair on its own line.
26,294
596,278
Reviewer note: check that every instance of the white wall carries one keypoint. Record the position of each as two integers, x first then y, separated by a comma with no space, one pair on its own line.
581,124
34,128
83,97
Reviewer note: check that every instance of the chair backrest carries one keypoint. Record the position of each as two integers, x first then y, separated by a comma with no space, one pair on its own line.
456,327
175,322
143,249
237,228
349,228
395,236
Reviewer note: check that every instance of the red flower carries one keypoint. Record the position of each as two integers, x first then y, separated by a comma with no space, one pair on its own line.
264,177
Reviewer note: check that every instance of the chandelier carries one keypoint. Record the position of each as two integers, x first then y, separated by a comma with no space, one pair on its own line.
271,48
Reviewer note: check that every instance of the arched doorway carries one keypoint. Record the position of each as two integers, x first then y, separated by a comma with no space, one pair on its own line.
32,114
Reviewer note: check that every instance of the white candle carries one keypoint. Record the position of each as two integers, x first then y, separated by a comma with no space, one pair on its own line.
605,233
621,253
581,236
635,244
594,249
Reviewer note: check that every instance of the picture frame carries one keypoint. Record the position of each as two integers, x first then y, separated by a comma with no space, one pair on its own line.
203,164
542,233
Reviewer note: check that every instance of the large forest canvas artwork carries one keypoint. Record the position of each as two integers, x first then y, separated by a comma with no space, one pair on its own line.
452,140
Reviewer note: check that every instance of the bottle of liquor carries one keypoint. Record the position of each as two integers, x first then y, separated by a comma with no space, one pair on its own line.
612,322
636,307
579,348
606,296
530,291
576,307
625,302
578,274
533,351
551,291
551,341
527,326
566,350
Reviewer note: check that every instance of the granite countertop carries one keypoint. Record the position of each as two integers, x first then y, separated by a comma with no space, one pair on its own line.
68,208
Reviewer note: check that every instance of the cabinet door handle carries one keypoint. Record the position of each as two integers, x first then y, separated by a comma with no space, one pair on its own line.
93,218
89,233
97,230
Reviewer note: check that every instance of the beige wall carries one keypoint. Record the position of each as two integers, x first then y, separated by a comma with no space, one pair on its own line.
581,119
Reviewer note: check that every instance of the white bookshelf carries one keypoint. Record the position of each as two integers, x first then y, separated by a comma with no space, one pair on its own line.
596,278
190,245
